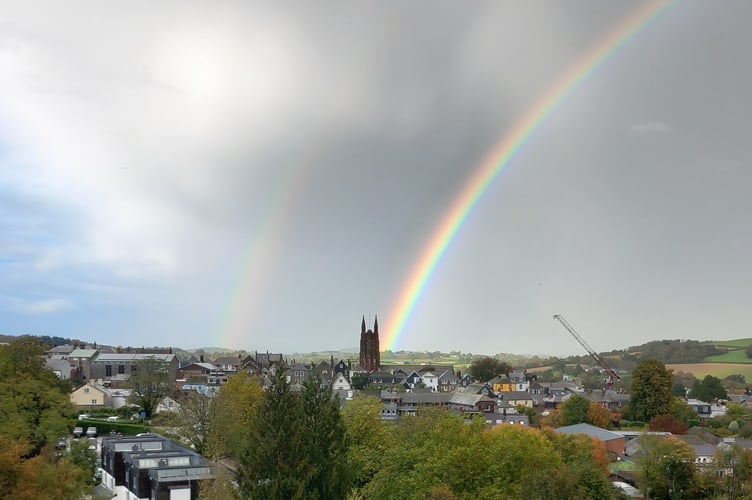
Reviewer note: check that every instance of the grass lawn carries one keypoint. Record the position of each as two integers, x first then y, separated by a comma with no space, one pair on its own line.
735,356
734,343
720,370
622,465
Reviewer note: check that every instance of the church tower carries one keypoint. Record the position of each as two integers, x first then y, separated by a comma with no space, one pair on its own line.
370,355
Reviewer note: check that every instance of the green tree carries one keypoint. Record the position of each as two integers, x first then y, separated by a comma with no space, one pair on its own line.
149,384
678,390
325,442
665,467
194,418
650,391
682,412
274,464
34,408
221,487
575,410
738,484
599,416
735,411
359,381
530,412
708,390
297,445
368,438
486,368
232,416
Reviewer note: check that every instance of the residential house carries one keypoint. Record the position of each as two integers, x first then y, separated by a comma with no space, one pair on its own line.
517,398
343,368
341,383
515,381
298,373
448,381
119,366
167,405
60,367
539,388
611,400
484,389
389,411
91,396
556,397
464,402
496,419
615,443
229,364
702,408
62,351
467,379
267,362
461,402
430,380
381,378
410,402
197,372
413,380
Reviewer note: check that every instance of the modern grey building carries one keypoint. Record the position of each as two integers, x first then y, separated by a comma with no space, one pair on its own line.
151,467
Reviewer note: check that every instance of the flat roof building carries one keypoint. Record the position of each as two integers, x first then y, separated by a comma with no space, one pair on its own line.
151,467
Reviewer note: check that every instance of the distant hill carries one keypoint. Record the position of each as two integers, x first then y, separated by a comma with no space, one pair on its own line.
211,350
51,341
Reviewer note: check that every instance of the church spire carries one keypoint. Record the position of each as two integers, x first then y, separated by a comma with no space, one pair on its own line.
376,324
363,325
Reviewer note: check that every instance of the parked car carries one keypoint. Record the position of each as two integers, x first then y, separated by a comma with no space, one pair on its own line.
61,444
78,432
91,432
113,418
84,416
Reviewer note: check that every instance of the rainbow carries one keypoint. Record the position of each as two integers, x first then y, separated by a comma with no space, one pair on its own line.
500,156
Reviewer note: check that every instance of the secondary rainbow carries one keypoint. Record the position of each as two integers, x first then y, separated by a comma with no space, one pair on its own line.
500,157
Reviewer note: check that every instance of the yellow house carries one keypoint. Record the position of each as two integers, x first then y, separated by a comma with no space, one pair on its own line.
91,396
516,398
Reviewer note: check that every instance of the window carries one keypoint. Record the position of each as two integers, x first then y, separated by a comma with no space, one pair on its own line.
121,369
86,390
108,370
93,401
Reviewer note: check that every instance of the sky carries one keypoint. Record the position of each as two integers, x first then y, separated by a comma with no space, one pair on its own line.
261,175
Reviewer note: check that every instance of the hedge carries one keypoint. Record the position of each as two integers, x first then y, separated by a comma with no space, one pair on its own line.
104,427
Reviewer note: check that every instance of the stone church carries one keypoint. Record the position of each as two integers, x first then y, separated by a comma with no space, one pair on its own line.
370,355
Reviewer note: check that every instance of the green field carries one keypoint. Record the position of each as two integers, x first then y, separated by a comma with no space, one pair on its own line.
720,370
734,343
733,356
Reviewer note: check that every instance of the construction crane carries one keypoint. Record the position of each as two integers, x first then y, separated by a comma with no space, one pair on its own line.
601,362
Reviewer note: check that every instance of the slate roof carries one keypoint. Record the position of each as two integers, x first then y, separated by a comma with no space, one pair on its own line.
516,395
132,356
228,360
467,399
83,353
590,430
